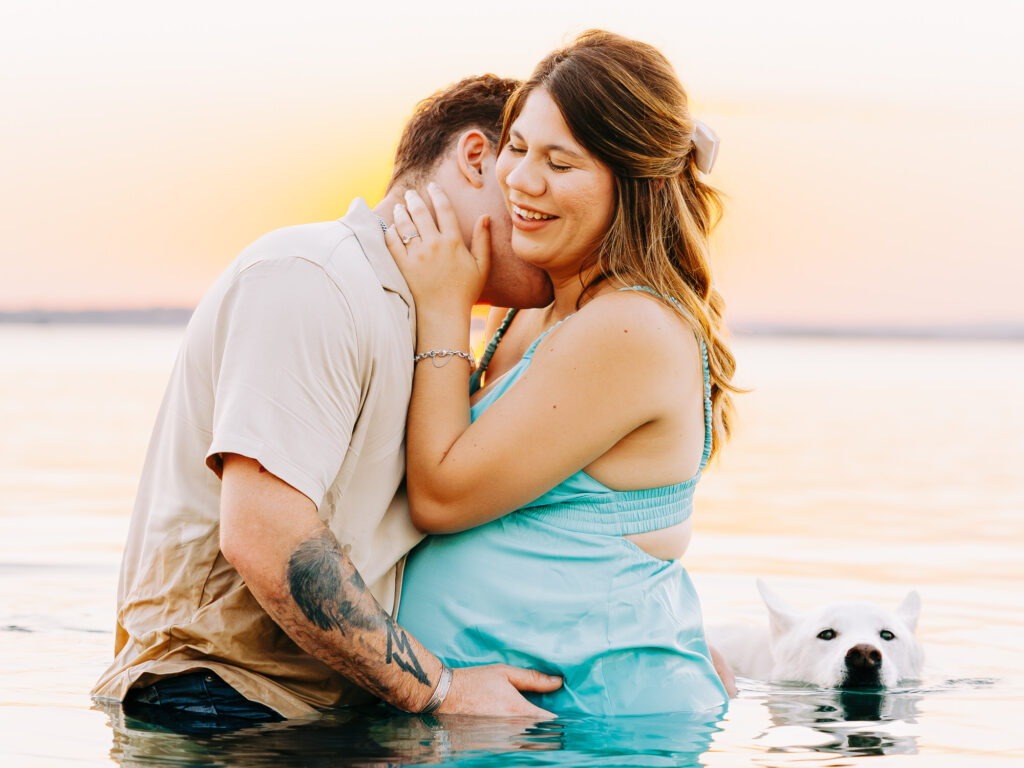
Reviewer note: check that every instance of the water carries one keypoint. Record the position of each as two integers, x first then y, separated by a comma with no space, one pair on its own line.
861,469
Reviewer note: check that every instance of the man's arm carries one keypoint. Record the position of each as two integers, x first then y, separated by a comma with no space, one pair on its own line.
297,571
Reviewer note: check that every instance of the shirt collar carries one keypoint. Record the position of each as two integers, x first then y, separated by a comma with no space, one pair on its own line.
361,220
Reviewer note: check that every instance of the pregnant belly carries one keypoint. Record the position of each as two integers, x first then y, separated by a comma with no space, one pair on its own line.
517,576
622,627
502,592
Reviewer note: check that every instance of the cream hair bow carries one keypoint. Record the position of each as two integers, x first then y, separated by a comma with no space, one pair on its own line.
705,147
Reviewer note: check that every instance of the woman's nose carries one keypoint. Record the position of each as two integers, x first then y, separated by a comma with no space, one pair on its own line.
524,178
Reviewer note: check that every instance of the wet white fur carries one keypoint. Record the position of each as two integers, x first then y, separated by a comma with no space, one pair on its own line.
790,649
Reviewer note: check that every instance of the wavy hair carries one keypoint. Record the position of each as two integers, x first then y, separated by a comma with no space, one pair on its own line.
624,103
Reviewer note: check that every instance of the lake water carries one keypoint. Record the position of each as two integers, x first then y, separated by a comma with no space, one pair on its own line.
860,469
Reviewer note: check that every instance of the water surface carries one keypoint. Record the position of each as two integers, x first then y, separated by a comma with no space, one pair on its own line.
860,469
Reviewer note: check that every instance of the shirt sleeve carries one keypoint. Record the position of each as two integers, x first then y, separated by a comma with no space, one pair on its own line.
286,374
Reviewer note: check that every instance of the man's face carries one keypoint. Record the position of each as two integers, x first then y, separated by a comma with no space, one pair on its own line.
511,282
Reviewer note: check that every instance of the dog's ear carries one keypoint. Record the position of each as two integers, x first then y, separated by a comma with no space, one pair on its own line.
910,609
781,613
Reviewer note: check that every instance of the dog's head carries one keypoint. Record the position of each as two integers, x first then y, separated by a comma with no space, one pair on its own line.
847,645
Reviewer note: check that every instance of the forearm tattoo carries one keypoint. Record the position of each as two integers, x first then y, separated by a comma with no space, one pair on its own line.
332,595
319,588
401,653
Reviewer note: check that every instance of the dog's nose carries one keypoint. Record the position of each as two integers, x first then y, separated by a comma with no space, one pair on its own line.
863,658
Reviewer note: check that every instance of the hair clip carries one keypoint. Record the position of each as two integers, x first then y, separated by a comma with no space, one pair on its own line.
705,147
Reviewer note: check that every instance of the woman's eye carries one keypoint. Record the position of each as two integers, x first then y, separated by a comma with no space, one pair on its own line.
827,634
885,634
559,168
515,150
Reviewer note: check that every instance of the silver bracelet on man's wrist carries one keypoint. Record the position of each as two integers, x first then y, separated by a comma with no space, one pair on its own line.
444,685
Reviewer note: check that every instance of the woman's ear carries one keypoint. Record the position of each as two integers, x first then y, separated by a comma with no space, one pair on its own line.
471,152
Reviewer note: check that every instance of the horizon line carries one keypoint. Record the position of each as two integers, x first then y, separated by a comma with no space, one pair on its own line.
169,316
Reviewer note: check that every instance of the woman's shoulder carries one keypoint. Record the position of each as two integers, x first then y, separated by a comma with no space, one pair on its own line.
641,317
632,322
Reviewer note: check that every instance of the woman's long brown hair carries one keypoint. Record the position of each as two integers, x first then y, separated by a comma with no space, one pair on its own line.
624,103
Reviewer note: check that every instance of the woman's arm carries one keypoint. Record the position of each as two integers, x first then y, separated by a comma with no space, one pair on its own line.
591,383
588,386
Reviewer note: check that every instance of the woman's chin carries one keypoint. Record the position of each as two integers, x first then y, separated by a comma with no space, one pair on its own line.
527,248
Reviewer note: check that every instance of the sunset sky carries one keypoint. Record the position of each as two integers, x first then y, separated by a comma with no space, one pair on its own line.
871,152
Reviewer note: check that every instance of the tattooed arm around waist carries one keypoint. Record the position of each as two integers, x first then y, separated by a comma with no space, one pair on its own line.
303,579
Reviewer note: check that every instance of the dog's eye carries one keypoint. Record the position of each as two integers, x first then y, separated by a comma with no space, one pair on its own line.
827,634
885,634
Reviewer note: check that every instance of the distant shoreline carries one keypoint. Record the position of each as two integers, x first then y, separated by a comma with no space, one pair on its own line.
170,316
153,316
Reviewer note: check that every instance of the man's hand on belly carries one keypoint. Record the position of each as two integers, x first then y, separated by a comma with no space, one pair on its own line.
495,690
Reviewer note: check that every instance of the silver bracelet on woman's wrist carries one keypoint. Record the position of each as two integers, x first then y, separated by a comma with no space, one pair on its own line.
446,356
444,685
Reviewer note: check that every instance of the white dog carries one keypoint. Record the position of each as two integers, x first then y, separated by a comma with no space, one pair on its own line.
840,645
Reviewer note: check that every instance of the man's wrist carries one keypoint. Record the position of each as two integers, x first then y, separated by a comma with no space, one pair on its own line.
421,695
441,690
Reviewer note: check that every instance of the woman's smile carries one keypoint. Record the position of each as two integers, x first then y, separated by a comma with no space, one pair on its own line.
528,219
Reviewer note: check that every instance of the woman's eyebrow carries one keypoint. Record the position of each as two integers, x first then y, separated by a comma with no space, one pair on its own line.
550,147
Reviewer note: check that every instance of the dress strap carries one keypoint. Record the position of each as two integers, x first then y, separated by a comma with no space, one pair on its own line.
528,354
708,412
478,374
708,423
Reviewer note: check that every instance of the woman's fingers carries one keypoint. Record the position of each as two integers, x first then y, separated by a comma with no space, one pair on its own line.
447,220
404,225
437,264
422,220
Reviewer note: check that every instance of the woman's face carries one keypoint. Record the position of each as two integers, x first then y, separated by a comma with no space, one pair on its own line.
561,198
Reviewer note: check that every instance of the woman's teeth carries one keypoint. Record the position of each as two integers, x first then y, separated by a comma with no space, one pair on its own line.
531,214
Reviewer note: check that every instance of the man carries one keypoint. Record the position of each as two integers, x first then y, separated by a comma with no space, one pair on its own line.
270,495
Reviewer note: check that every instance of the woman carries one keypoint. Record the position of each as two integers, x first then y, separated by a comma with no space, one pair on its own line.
564,487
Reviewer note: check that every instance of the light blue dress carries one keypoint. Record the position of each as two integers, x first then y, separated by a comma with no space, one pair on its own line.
555,586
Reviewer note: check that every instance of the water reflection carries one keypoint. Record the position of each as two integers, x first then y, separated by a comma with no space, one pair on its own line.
852,722
381,737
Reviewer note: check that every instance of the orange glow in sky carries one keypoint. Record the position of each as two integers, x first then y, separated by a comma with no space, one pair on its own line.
871,154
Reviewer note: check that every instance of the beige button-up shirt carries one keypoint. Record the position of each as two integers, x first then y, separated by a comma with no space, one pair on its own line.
299,356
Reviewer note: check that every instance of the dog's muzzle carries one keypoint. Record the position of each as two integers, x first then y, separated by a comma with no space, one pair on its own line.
863,667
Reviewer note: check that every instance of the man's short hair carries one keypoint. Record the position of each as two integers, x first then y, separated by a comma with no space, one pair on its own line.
476,102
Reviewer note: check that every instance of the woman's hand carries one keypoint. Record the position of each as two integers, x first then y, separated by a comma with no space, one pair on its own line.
442,273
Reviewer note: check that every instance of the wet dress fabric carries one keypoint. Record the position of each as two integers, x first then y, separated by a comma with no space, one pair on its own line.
555,586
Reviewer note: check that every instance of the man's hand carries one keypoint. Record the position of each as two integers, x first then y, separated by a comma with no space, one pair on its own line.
495,690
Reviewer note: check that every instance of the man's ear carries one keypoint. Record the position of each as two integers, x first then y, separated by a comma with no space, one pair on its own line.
471,152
